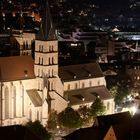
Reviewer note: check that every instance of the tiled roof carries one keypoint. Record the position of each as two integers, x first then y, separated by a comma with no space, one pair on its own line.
113,119
87,95
91,133
47,31
80,71
16,68
34,96
122,131
17,132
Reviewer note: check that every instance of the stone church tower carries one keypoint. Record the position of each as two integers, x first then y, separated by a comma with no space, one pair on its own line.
46,64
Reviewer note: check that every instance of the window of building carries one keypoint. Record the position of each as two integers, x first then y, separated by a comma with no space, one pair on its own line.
38,72
6,103
22,100
37,115
30,114
90,83
42,61
108,105
98,82
68,86
83,85
14,100
76,85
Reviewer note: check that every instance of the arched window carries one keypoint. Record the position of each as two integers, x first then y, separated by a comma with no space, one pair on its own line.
83,85
68,86
38,72
37,116
6,103
14,101
30,114
90,83
26,45
52,60
39,60
49,60
108,105
22,100
42,61
76,85
23,45
42,48
52,48
98,82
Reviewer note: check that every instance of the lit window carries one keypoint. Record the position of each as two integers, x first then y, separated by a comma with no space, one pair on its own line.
6,103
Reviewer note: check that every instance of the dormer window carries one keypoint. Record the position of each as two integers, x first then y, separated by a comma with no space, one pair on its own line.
89,74
74,76
25,73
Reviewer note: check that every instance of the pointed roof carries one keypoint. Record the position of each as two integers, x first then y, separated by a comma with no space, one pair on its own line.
46,31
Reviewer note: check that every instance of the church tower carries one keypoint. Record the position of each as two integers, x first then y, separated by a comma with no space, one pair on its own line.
46,64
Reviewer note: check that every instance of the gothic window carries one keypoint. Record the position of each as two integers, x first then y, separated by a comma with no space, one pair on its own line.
6,103
29,46
42,61
98,82
23,45
76,85
51,85
38,74
68,86
22,100
49,60
42,48
37,115
39,60
14,100
30,114
83,85
90,83
49,73
52,48
38,85
108,105
39,48
26,47
52,60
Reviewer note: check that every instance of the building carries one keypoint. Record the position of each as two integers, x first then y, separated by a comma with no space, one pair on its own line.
30,89
118,126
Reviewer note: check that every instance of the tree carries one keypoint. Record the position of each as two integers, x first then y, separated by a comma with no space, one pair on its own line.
69,118
37,128
85,114
114,90
52,121
97,108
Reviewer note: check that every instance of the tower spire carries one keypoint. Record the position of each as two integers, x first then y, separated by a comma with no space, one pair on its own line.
46,31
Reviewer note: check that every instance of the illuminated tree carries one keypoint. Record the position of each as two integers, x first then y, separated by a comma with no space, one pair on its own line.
85,114
37,128
52,121
69,118
97,108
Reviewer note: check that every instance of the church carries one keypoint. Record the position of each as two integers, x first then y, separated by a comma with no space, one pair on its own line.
31,88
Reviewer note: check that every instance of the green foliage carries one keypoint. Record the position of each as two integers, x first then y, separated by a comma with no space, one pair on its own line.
97,108
114,90
38,129
52,121
123,92
85,114
69,118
